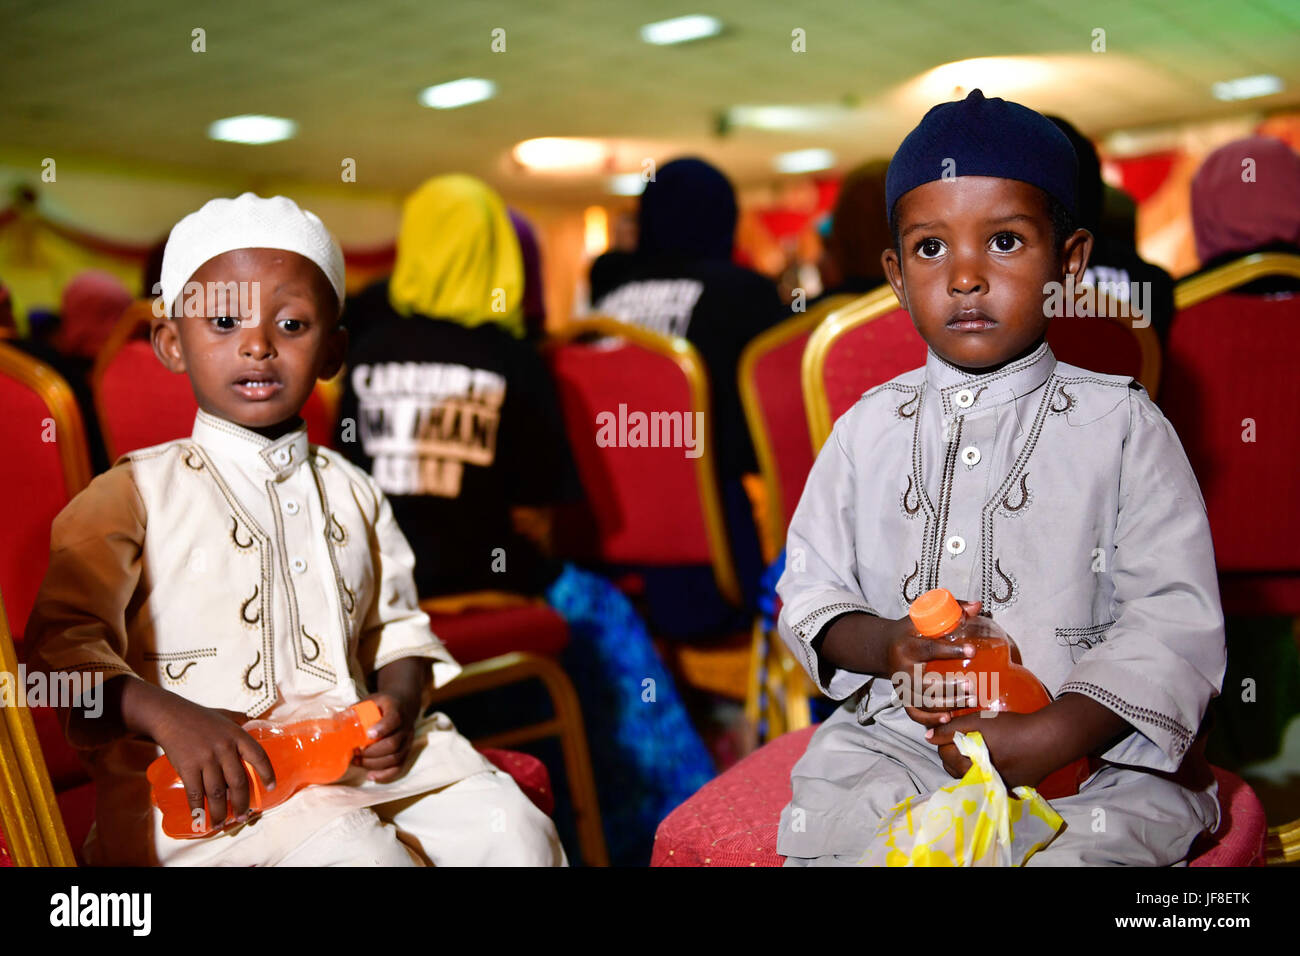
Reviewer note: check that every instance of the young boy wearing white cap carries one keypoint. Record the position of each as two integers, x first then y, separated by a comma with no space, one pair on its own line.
243,573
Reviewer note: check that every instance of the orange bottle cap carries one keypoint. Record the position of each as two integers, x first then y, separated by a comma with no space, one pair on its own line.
935,612
367,712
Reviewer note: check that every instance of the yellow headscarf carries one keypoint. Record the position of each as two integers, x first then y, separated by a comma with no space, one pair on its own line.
458,257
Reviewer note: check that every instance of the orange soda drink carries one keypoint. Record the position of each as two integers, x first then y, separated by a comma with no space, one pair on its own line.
302,753
995,674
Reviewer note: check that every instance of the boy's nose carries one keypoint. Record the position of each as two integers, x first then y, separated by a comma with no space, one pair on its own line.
967,277
255,343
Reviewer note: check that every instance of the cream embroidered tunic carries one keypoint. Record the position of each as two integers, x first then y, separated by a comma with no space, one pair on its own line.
1063,500
264,577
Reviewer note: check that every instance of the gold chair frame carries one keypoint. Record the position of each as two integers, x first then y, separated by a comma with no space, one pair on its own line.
567,724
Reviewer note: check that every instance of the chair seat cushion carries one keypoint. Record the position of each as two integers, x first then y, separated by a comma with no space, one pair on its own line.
477,635
527,771
732,820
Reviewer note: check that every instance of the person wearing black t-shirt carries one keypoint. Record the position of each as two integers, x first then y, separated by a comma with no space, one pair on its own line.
683,282
455,416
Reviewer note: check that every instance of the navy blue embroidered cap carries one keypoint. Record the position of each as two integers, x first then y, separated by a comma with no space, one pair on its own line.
984,136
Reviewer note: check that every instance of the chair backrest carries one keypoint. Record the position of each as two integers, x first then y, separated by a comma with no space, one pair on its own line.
1232,392
778,424
872,339
857,347
140,403
43,465
30,821
624,398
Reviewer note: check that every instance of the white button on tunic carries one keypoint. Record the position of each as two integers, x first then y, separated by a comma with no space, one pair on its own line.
965,398
970,455
956,544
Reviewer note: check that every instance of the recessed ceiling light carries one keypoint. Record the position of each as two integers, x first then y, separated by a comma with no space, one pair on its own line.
681,29
804,161
462,92
561,153
627,184
1248,87
785,117
252,129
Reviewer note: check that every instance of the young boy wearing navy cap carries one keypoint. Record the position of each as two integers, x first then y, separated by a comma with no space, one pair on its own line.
1055,499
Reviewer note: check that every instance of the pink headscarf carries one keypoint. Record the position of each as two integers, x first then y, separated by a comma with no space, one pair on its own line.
1230,214
92,303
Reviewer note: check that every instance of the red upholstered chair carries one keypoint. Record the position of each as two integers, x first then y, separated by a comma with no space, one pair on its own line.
501,639
777,697
45,463
733,819
1230,376
770,392
649,506
139,403
872,340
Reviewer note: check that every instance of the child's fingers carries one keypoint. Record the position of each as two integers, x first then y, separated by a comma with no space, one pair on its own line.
386,762
251,751
389,723
214,785
236,782
383,776
928,718
388,745
931,650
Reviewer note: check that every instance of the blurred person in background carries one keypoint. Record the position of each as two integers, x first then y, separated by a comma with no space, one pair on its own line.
684,283
1246,199
1115,260
859,233
454,413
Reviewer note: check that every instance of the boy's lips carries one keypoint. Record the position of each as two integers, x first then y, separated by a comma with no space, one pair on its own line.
970,320
257,386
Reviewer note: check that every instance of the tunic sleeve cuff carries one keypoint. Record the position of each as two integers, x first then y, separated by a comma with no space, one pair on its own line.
799,633
1164,732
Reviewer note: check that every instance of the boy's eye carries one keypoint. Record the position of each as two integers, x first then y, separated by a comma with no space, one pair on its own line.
292,325
929,248
225,322
1006,242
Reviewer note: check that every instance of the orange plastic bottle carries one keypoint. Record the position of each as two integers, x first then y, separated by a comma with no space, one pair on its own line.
302,753
999,680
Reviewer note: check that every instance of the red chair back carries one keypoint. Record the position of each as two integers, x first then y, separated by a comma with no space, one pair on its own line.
778,423
140,403
649,505
1110,345
867,342
1233,395
44,465
873,340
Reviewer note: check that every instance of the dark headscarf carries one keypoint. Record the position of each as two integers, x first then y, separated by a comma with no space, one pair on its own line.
688,211
1232,214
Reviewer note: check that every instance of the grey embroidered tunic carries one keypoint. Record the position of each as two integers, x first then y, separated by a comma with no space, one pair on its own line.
1063,500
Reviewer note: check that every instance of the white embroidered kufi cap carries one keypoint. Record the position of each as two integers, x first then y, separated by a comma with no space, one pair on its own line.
249,222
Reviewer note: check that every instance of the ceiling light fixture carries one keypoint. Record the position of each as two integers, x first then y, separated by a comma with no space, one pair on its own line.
1248,87
252,129
681,30
804,161
462,92
556,153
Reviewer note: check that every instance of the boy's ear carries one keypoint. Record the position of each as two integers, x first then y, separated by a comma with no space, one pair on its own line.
1076,252
894,273
166,342
336,350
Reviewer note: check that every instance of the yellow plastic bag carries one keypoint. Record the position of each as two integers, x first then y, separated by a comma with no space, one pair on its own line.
973,822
